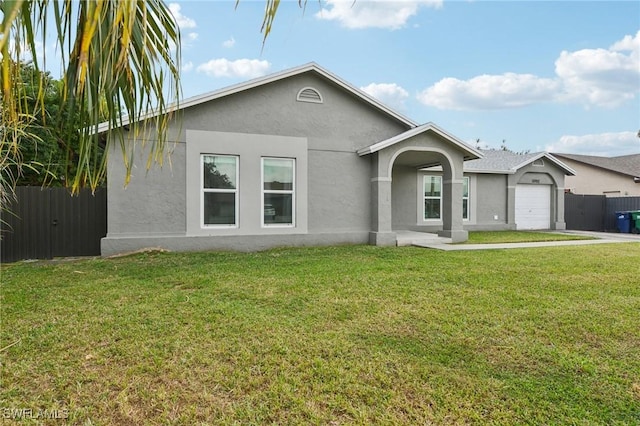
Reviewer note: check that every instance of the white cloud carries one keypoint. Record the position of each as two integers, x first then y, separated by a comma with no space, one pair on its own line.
603,144
603,77
390,14
628,43
229,43
388,93
245,68
182,21
489,92
592,77
186,66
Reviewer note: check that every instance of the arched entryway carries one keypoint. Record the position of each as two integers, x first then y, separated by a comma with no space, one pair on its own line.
396,183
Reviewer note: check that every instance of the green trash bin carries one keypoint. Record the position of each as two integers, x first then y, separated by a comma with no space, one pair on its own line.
635,221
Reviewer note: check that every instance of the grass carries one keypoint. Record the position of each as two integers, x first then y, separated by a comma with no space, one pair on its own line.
498,237
338,335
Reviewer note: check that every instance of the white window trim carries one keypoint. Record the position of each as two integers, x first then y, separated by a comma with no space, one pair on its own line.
468,198
425,197
204,190
292,191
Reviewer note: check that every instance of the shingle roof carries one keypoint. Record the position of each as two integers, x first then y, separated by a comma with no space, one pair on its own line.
499,161
624,164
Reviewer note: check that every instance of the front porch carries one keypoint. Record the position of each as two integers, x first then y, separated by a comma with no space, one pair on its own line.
413,238
398,195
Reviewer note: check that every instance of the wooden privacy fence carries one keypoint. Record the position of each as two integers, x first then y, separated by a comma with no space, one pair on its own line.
596,212
47,223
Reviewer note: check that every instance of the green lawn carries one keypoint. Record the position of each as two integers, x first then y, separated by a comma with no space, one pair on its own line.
497,237
329,336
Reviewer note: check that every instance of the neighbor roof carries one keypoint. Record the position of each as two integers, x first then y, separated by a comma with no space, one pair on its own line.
625,164
508,162
310,67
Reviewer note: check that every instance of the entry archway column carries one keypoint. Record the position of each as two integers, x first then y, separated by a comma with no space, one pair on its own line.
559,223
452,191
381,233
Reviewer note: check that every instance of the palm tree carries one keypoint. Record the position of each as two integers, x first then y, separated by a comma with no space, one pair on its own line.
119,58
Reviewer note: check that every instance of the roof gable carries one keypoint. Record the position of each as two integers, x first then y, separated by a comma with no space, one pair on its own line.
469,150
310,67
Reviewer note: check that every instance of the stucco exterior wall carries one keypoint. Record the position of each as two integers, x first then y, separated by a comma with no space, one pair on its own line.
153,210
154,203
489,201
590,180
341,123
340,196
404,201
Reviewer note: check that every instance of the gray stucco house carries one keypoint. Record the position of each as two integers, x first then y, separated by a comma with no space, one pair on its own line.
302,157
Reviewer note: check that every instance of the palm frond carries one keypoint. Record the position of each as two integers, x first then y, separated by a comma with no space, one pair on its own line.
119,58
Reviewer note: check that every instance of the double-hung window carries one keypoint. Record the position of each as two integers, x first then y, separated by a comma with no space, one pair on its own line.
219,190
278,191
432,197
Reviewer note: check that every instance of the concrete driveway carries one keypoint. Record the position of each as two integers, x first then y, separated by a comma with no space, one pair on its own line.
419,239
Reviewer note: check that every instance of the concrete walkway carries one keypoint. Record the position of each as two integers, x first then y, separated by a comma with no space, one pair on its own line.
421,239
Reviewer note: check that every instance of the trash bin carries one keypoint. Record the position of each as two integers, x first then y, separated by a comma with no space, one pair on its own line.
635,221
623,222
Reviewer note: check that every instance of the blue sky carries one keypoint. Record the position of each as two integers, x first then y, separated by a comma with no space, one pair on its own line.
540,75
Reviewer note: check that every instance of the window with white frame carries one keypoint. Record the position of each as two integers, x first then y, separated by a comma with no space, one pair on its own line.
278,191
432,189
465,198
433,198
219,190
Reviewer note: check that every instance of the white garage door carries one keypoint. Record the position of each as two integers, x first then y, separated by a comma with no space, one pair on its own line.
533,206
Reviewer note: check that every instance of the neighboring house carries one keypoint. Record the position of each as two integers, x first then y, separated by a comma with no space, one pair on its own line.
302,157
610,176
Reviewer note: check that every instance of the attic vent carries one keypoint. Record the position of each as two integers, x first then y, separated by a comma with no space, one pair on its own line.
538,162
309,94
